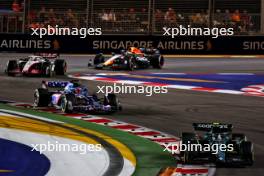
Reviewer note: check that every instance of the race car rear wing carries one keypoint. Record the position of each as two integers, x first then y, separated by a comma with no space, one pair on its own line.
217,127
48,55
54,84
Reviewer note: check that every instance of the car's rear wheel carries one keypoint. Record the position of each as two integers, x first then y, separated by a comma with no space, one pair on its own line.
41,97
98,59
60,67
157,61
11,65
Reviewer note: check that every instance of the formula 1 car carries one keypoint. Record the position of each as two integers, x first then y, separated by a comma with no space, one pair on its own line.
239,151
73,97
38,65
131,59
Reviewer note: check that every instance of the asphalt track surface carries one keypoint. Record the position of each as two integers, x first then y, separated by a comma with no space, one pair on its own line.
174,112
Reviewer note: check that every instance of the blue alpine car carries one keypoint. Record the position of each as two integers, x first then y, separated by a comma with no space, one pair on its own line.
71,96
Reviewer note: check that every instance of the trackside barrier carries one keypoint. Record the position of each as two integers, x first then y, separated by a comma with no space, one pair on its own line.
238,45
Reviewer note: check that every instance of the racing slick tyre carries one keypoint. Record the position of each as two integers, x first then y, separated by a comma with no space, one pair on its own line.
157,61
60,67
67,103
187,157
11,65
98,59
41,97
187,137
49,71
131,64
247,152
112,100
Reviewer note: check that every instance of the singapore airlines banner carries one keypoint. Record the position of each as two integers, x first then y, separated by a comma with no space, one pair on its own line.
108,44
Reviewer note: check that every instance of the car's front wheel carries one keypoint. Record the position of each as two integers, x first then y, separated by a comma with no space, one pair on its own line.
187,157
131,64
67,103
248,153
113,101
49,72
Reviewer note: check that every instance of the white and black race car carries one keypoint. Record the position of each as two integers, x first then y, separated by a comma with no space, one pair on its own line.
37,65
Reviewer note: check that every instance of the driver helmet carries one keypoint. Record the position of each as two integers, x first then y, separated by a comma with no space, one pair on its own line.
69,88
76,88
